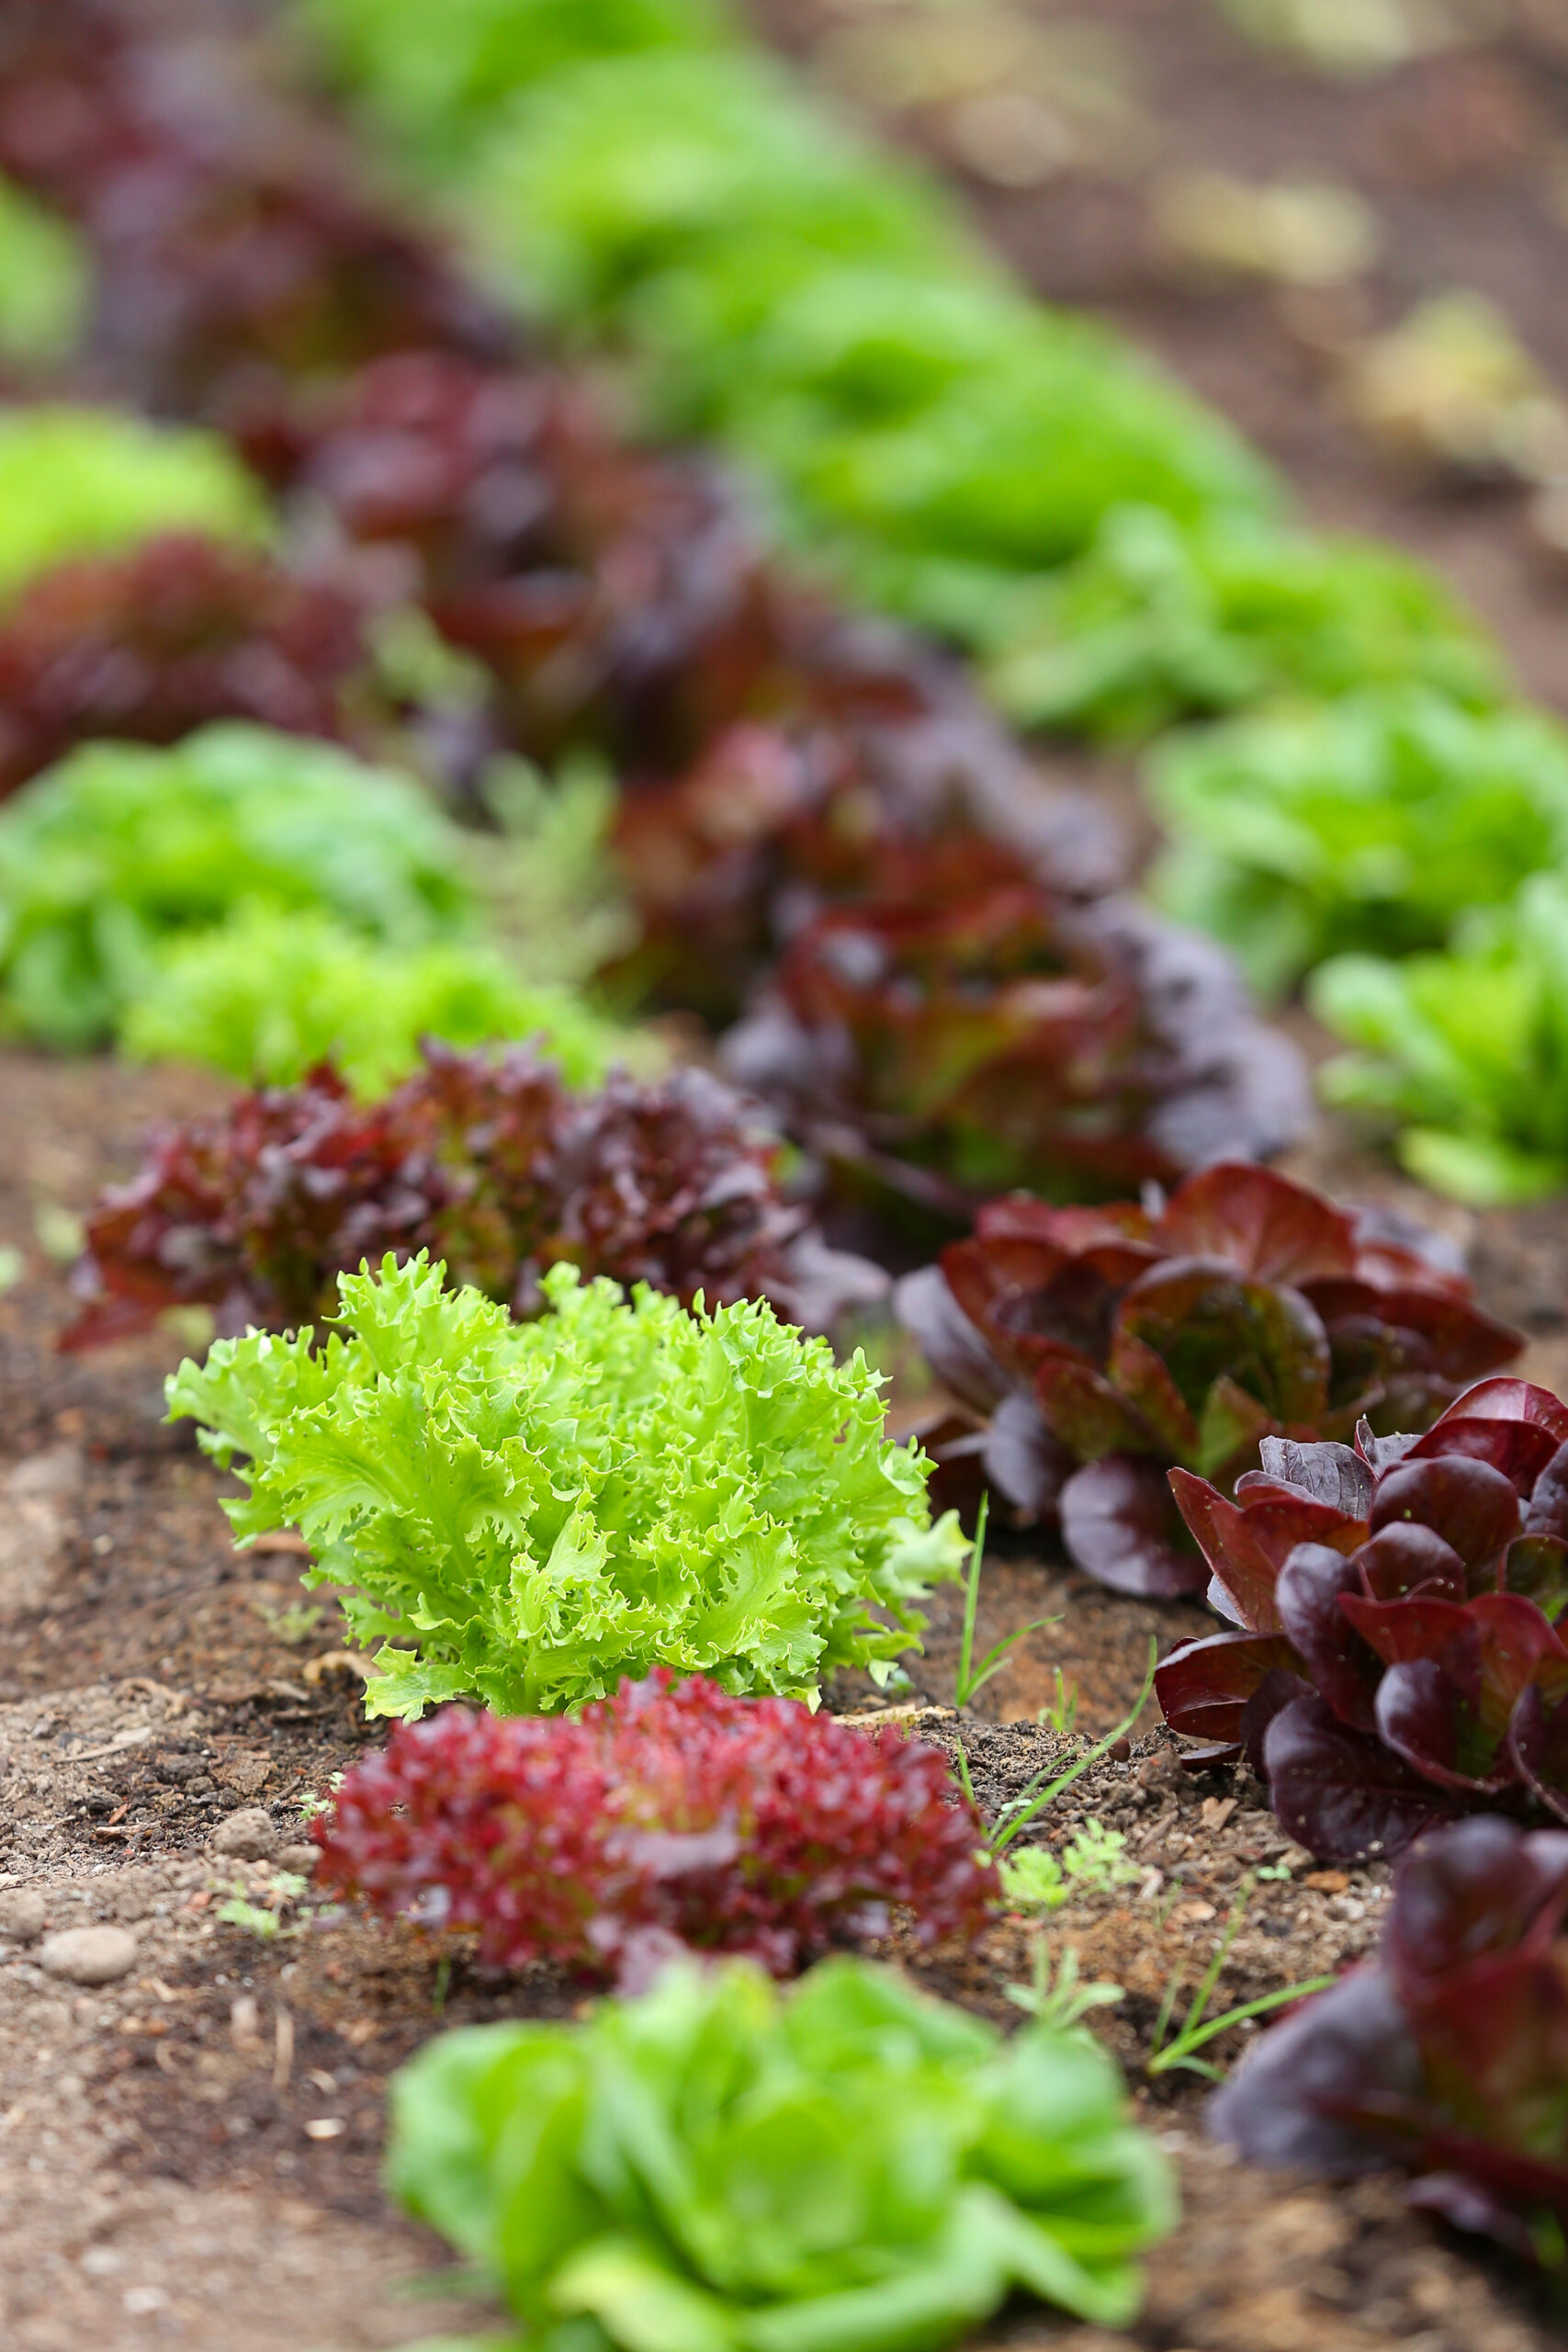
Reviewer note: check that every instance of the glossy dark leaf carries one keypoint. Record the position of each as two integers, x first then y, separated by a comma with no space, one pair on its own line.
948,1339
1293,2098
1203,1687
1405,1558
1263,1224
1512,1424
1537,1748
1023,1460
1226,1540
1279,1689
1090,1416
1120,1525
1473,1506
1548,1511
1307,1597
1476,1891
1343,1793
1429,1714
1332,1474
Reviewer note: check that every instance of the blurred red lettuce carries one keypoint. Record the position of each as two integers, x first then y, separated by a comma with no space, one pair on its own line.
1398,1662
150,645
1448,2053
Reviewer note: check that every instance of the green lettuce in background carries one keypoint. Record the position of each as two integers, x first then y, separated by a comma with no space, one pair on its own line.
541,1507
269,993
108,855
1371,823
78,482
721,2167
1468,1050
1161,621
44,280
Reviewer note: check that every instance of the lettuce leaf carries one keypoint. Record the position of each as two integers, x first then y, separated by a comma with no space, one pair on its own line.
720,2167
543,1508
268,995
80,480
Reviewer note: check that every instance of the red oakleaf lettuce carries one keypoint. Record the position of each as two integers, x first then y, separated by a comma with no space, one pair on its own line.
485,1160
671,1813
974,1032
1246,1306
150,645
1417,1604
1448,2053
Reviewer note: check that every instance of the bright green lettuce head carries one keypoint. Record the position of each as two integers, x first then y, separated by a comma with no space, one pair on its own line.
77,482
721,2167
434,76
542,1507
1369,823
120,847
267,995
1468,1051
1160,620
614,173
43,280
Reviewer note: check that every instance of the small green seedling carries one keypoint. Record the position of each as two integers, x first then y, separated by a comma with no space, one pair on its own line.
1062,1714
1036,1880
316,1802
292,1625
1057,1998
1197,2027
971,1678
265,1921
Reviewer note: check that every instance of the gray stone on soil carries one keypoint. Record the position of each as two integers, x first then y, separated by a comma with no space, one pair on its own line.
302,1859
248,1834
21,1912
90,1955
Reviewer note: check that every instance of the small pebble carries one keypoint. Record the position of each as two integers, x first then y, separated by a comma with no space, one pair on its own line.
90,1955
302,1859
21,1912
1120,1749
249,1835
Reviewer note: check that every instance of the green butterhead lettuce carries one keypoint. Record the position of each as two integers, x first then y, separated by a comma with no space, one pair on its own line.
543,1508
1468,1051
268,994
122,848
77,482
721,2167
1369,823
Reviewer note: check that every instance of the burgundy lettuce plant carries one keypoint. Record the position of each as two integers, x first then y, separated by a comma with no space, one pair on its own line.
1395,1659
1448,2052
1097,1347
151,644
977,1032
484,1160
669,1816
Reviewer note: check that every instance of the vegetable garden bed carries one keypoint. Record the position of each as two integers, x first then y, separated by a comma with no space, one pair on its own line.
778,826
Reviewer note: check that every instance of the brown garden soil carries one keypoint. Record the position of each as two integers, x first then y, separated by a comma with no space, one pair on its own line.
191,2155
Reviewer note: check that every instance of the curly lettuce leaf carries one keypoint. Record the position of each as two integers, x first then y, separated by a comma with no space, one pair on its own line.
540,1509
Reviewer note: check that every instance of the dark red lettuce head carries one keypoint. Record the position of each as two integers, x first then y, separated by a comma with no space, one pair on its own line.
148,645
1244,1307
945,1043
1447,2054
1417,1584
483,1160
671,1813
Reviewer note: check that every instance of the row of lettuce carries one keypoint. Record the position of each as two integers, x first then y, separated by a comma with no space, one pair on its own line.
1382,816
1023,483
541,1494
